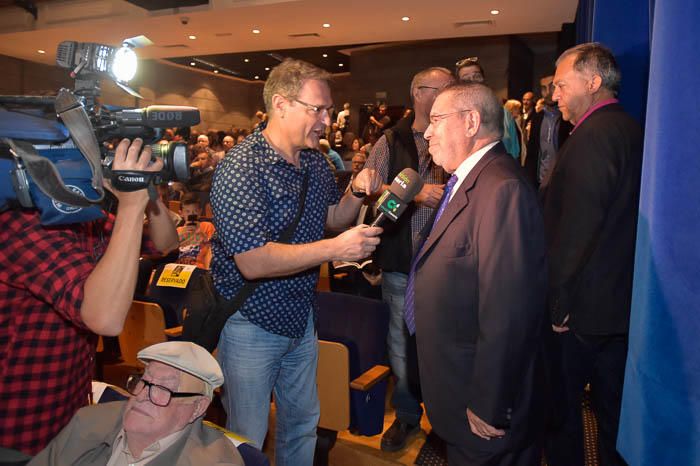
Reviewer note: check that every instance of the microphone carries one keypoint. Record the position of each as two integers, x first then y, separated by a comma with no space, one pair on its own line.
159,116
394,201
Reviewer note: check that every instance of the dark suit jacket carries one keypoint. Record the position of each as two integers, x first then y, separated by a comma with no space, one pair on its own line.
480,306
590,212
533,145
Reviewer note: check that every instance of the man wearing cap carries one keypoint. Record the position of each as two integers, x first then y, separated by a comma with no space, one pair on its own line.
161,424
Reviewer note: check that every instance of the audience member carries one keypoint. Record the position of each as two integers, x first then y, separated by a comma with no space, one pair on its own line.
343,119
528,109
333,157
590,211
59,286
336,136
195,235
203,140
469,70
377,123
161,423
514,107
476,293
202,169
547,134
404,146
228,143
270,343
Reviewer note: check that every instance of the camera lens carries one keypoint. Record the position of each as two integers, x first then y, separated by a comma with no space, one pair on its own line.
175,164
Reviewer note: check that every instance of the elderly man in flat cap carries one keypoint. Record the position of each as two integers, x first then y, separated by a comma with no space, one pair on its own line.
161,424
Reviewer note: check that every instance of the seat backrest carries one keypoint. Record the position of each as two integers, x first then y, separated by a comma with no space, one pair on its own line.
333,381
361,324
172,300
144,326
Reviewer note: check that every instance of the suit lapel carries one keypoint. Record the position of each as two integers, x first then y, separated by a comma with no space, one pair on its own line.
459,201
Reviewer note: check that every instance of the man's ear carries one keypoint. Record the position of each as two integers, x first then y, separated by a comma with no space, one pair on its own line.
594,83
472,123
279,104
200,408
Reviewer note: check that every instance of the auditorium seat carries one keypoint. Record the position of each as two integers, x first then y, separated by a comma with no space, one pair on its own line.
352,372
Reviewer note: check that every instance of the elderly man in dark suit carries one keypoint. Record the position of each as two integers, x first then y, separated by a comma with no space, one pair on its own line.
590,212
476,294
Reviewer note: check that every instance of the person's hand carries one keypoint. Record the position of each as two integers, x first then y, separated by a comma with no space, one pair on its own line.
357,243
481,428
430,195
367,181
563,327
130,156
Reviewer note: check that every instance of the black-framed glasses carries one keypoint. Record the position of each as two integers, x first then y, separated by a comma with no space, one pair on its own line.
467,61
315,109
435,118
158,394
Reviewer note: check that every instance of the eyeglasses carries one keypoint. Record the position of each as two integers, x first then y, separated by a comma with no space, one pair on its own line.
315,109
158,394
434,119
467,61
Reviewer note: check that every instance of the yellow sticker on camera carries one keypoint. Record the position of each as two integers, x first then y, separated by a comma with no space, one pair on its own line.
176,275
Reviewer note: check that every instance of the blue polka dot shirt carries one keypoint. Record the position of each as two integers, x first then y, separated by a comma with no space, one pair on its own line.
255,195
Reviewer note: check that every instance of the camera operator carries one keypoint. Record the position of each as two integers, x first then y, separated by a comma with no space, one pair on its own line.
59,287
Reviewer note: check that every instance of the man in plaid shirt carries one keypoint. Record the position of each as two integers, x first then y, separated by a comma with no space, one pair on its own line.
59,286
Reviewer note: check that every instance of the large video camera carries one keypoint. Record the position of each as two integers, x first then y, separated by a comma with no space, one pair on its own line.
54,151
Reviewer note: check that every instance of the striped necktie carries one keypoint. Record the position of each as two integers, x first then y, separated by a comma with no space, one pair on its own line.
409,312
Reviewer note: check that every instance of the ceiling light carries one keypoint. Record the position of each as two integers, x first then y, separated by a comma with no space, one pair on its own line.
191,37
340,64
256,31
257,77
192,63
216,71
326,25
267,68
325,55
41,51
246,60
495,12
405,18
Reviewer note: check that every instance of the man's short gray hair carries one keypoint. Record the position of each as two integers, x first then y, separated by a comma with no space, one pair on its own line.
287,79
479,97
596,58
422,75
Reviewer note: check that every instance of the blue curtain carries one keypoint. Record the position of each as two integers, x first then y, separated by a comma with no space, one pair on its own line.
658,49
660,422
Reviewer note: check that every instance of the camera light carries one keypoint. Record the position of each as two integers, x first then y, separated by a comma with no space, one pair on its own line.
124,64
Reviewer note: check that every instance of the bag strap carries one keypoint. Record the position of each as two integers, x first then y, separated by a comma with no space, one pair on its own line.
247,290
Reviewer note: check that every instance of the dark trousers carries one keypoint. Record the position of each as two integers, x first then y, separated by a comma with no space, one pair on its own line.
599,361
460,456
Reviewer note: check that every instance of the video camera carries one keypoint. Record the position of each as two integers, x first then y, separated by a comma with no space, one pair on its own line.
53,150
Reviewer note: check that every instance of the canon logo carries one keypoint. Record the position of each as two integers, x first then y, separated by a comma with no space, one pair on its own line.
131,179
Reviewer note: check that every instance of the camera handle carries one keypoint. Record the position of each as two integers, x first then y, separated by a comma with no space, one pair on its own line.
73,114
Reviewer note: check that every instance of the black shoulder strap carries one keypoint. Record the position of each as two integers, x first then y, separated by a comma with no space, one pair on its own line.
286,236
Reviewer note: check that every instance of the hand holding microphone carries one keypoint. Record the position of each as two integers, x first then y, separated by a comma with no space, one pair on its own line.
357,243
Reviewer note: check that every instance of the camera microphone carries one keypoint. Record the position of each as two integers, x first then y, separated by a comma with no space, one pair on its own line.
159,116
394,201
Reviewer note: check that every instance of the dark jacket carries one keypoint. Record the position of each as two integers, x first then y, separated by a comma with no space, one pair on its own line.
590,213
480,306
533,145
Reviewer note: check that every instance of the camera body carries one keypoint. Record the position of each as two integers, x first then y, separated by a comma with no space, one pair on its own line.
54,150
